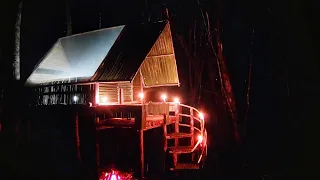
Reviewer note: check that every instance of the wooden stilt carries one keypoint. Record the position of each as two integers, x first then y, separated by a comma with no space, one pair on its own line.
28,130
165,143
98,155
141,154
77,137
97,148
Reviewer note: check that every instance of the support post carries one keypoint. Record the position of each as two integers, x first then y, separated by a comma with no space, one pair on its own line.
121,96
192,130
165,143
96,89
77,137
96,120
141,154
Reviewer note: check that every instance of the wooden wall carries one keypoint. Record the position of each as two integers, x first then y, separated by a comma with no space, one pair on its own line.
63,94
136,83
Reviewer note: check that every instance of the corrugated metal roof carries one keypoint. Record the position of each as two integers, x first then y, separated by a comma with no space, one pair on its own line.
129,51
75,57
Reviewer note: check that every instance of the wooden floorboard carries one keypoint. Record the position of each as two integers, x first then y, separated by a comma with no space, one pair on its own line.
180,149
178,135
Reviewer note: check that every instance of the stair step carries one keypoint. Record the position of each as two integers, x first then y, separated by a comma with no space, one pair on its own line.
178,135
180,149
181,166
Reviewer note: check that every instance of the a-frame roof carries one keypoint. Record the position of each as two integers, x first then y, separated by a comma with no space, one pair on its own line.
111,54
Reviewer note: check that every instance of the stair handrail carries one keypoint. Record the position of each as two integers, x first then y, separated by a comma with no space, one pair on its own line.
202,130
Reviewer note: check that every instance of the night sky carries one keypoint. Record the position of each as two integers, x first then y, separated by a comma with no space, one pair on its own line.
280,37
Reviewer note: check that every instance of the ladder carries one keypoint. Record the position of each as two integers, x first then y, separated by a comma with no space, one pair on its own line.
194,134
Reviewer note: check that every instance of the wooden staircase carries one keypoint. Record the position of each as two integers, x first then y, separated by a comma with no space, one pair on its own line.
194,134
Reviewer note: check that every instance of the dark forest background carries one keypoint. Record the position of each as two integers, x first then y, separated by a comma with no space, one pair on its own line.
269,46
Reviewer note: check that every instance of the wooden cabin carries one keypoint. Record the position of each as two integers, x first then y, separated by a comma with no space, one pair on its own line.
109,70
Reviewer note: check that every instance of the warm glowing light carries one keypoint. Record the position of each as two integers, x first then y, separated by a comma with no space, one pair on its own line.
200,138
164,97
176,100
104,99
201,115
116,175
113,177
75,98
141,95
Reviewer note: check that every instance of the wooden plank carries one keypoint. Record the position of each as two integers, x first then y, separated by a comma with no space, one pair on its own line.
181,166
178,135
153,124
180,149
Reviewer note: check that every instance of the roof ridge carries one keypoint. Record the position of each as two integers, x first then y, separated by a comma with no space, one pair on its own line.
90,32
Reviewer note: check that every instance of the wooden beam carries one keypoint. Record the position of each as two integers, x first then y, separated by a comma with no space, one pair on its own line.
161,55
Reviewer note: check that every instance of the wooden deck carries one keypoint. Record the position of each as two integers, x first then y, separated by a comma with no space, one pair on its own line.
141,117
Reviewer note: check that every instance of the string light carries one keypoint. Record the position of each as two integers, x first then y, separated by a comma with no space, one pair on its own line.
176,100
104,99
164,97
141,95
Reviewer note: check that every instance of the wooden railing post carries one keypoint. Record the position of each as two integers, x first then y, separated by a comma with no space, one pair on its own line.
192,130
176,130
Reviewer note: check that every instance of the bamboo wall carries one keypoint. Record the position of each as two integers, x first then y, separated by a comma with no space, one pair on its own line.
112,91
